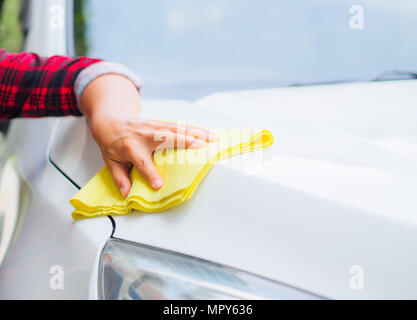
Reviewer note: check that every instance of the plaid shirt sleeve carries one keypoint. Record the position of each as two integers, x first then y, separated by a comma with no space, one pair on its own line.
34,86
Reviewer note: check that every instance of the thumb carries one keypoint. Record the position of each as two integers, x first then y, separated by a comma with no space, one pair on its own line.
120,174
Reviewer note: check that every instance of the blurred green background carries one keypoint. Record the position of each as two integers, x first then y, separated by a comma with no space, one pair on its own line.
10,32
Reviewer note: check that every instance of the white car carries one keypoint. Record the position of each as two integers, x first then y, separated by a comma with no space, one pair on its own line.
329,211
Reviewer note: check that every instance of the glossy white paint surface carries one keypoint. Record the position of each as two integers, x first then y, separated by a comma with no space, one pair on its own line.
336,189
45,234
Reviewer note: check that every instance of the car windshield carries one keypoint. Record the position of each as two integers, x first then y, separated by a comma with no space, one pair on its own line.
187,49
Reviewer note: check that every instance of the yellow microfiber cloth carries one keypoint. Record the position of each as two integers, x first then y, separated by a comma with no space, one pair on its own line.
181,169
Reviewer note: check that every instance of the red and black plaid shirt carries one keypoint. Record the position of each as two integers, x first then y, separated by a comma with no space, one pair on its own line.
33,86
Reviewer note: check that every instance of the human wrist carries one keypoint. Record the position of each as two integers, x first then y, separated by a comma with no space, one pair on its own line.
110,96
99,69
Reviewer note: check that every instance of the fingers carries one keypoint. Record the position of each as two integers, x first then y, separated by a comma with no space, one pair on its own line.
182,128
201,134
168,140
139,142
143,162
120,174
142,157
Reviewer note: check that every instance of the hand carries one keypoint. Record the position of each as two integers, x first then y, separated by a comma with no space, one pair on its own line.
112,105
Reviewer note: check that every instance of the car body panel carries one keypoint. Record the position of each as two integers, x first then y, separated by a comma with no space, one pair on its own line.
45,235
332,192
336,191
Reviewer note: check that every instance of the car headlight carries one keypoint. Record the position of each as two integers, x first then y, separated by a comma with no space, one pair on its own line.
132,271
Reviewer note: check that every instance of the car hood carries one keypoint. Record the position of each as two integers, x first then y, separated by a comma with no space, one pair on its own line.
336,190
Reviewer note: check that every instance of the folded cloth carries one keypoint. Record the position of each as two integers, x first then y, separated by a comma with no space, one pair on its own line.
181,169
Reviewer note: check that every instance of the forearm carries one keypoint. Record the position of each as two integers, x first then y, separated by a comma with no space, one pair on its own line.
100,104
99,99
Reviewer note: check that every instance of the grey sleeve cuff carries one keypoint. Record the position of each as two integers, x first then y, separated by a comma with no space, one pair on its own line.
98,69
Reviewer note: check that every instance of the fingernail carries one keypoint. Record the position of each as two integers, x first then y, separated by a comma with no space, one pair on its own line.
123,191
157,183
197,144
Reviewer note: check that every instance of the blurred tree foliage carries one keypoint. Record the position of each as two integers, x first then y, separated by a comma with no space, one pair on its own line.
10,31
80,27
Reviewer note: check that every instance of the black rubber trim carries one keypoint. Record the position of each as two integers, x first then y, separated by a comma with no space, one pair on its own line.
113,223
63,173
